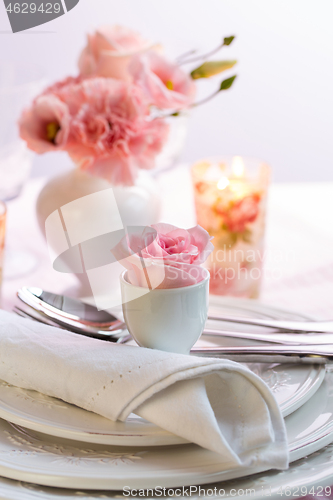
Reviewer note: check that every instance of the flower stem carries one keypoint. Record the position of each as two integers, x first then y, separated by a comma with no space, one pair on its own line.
201,57
185,55
206,99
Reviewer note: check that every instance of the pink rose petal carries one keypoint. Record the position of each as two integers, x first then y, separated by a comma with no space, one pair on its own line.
164,83
169,261
109,52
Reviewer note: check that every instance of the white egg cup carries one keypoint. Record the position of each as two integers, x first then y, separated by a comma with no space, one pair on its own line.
166,319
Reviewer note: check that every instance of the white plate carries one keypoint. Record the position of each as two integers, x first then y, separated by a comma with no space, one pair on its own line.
34,457
292,386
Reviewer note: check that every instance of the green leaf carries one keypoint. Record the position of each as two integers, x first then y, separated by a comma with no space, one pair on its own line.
228,40
211,68
226,84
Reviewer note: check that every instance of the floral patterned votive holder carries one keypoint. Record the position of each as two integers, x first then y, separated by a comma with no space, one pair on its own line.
230,201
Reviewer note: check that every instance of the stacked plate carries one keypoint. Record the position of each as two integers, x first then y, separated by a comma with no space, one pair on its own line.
50,449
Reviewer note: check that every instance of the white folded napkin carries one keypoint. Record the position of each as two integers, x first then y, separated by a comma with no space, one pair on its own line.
218,404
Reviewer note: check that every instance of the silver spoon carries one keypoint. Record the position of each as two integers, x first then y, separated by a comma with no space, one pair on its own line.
40,318
71,313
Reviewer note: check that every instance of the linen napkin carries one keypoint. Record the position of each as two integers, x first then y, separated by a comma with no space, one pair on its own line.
215,403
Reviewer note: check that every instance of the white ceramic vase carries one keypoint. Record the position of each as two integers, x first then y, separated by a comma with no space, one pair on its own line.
138,205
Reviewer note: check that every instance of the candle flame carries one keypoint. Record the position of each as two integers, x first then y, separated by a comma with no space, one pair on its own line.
223,183
238,167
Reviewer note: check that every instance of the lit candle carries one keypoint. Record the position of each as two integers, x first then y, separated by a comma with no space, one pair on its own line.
230,199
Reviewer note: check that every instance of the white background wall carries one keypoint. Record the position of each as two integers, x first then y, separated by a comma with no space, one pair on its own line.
281,106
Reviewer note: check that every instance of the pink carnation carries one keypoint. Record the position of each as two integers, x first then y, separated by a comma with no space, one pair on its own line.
112,136
102,123
70,91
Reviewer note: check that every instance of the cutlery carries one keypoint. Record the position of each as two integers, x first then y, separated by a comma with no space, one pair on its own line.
33,315
270,354
320,354
286,339
312,354
70,313
291,325
50,309
276,338
116,336
74,315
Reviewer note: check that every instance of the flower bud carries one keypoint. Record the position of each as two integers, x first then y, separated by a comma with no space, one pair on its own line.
211,68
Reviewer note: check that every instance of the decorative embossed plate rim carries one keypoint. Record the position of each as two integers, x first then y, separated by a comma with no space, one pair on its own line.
57,418
316,373
36,458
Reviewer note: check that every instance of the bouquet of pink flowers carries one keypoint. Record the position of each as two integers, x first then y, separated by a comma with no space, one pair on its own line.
111,118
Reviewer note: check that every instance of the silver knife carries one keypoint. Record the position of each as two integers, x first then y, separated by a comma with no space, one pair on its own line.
313,354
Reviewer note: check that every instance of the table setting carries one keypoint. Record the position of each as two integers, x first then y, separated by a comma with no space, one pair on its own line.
169,336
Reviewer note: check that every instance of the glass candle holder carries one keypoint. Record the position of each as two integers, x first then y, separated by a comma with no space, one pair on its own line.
230,201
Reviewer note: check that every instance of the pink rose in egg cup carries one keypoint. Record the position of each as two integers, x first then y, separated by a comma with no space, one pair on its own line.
164,288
